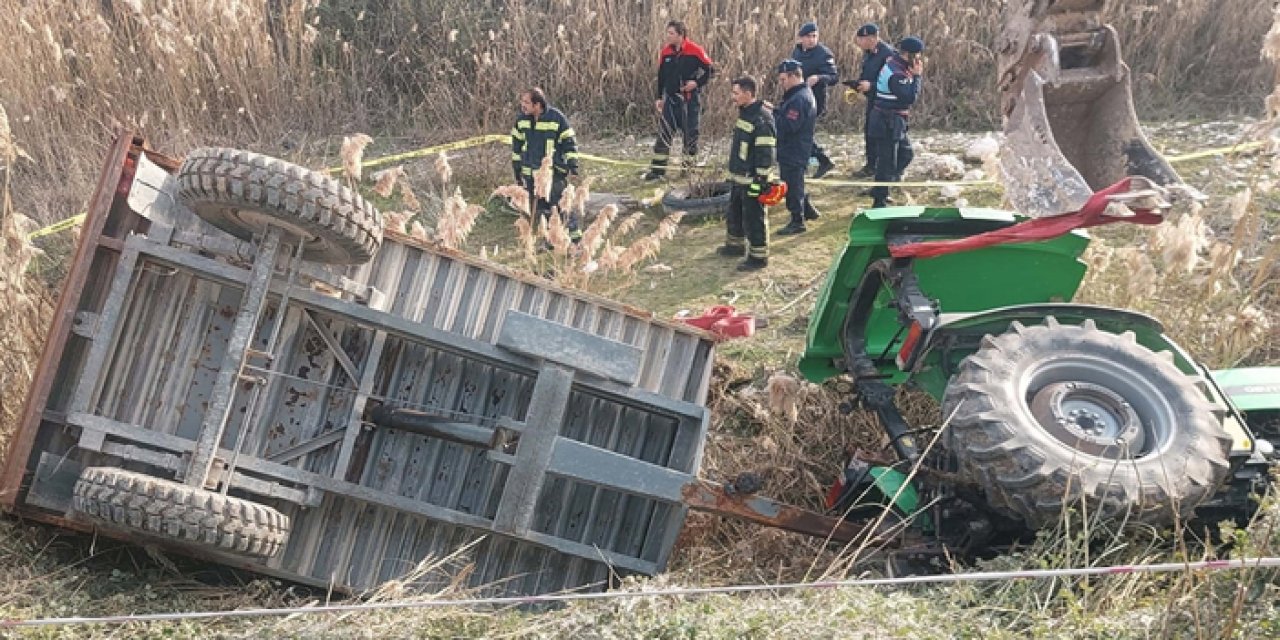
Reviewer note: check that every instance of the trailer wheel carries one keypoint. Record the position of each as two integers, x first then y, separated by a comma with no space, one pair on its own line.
178,512
1054,416
716,204
241,192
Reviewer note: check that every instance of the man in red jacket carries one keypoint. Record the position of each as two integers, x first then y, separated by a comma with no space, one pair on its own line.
683,70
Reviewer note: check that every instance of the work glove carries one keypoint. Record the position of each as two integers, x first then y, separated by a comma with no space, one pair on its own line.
756,188
515,168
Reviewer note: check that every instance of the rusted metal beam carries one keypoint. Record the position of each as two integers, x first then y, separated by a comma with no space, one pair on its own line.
224,388
712,498
24,436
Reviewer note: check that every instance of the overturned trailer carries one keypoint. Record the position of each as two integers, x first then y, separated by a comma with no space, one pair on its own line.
315,401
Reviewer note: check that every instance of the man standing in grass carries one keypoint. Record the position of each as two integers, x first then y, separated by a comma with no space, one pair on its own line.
874,55
750,164
543,131
820,72
896,91
794,120
683,70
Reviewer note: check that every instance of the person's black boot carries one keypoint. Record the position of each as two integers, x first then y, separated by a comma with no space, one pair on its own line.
867,171
792,228
753,264
730,251
653,174
811,212
825,165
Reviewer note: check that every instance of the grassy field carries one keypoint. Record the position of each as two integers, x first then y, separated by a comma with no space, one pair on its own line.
55,574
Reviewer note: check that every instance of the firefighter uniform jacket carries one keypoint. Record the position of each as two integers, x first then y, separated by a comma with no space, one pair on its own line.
751,156
794,121
677,65
550,135
818,61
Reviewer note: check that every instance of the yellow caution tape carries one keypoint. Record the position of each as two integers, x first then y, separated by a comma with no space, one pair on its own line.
427,151
505,139
57,227
872,183
1220,151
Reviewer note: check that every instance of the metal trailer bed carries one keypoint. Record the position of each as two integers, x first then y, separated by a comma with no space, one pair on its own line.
560,430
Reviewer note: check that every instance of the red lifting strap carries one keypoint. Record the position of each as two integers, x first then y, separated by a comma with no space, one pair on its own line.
1091,215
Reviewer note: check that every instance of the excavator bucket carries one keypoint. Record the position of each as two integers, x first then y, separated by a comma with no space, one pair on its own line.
1069,122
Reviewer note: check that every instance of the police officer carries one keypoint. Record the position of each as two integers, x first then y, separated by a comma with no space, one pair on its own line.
896,90
683,70
750,163
819,72
874,55
542,130
794,120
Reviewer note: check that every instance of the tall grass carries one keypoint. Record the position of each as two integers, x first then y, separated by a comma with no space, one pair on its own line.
25,307
270,73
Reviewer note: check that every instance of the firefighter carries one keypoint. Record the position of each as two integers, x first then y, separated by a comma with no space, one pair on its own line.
874,55
541,130
896,90
683,70
750,166
794,120
819,72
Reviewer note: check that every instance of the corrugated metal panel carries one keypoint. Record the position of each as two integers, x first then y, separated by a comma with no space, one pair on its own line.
159,374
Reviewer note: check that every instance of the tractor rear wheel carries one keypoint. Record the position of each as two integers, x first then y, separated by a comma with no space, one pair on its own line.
1051,417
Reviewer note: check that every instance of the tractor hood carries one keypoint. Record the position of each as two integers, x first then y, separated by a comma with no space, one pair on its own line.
988,278
1251,389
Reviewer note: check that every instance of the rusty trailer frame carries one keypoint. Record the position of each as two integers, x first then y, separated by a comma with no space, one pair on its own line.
397,411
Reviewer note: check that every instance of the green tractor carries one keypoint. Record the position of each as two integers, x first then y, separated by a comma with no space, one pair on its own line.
1046,405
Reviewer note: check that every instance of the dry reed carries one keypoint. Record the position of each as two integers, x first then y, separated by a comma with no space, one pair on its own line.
267,73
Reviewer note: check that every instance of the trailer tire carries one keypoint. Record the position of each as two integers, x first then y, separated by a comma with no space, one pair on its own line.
717,204
1051,417
175,511
241,192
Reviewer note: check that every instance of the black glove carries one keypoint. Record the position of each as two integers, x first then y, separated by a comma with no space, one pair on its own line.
852,84
515,168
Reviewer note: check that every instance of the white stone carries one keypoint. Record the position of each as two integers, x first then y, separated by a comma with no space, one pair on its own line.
982,148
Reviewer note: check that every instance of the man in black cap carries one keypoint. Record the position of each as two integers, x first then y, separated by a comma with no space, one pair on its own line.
896,91
794,120
820,72
874,55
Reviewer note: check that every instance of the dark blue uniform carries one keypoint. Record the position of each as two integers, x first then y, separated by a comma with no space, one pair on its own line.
795,119
872,62
896,90
818,61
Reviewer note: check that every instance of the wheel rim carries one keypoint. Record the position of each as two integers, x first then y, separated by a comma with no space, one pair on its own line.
1098,407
